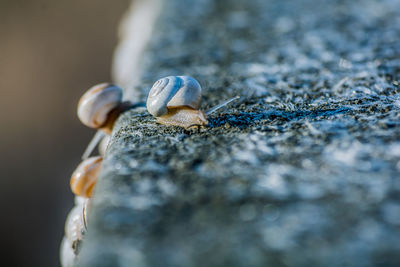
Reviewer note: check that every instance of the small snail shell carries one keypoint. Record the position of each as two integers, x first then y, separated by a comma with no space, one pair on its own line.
173,92
84,177
74,232
96,105
175,100
67,255
74,225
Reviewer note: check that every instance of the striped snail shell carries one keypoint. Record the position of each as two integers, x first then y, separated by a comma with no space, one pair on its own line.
84,177
96,104
173,92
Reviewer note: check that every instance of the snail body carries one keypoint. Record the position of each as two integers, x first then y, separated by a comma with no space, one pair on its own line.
103,145
84,177
176,100
183,117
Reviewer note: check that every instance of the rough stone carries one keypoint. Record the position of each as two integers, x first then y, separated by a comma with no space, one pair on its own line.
303,170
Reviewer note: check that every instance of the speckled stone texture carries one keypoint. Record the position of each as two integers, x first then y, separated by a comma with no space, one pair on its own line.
303,170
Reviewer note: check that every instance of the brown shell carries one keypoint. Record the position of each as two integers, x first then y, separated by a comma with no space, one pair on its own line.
84,177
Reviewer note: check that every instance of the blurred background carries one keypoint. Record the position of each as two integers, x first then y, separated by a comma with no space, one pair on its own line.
50,53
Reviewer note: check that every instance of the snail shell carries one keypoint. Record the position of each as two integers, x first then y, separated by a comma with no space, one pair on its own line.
74,225
96,104
173,92
84,177
74,233
67,255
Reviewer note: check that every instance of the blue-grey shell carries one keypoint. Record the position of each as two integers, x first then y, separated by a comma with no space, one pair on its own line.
173,91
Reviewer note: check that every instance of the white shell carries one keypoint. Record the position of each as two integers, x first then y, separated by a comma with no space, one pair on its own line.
67,255
95,105
173,91
79,200
75,229
74,225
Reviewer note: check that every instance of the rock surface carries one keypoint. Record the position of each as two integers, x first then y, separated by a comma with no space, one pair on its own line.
303,170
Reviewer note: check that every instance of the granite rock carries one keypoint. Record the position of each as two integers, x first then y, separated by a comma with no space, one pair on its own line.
303,170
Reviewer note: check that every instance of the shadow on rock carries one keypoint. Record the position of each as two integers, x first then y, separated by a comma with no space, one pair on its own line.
247,119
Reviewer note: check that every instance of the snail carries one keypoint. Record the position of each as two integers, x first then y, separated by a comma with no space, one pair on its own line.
84,177
67,254
99,108
176,100
75,230
74,225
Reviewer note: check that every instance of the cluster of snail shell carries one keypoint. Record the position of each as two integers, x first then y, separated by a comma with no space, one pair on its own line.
98,108
173,101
